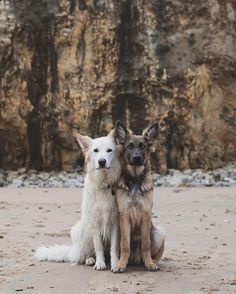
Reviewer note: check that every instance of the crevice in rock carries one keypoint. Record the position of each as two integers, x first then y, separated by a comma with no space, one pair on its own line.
42,120
95,121
129,101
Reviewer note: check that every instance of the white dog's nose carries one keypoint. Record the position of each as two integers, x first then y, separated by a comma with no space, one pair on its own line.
102,162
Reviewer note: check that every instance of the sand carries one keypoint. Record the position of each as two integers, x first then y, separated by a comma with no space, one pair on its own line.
200,255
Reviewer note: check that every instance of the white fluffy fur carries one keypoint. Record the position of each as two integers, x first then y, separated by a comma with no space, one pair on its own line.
97,231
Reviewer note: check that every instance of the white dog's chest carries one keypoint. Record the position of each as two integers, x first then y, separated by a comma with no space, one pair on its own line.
103,211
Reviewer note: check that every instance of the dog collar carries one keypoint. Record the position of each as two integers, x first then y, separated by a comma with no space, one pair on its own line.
112,188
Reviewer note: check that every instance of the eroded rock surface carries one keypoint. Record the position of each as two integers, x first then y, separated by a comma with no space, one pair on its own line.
83,64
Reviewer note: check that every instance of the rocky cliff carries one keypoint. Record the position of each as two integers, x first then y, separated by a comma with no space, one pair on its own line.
81,64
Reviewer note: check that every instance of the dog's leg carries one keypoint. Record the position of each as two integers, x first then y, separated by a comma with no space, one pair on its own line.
114,247
99,251
125,231
146,242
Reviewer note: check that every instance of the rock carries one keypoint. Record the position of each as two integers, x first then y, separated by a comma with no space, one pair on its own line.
228,180
71,183
32,171
208,181
90,64
187,172
55,184
197,174
21,171
217,176
174,178
16,183
12,174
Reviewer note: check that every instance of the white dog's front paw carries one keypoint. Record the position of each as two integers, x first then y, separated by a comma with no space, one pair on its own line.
99,266
90,261
114,263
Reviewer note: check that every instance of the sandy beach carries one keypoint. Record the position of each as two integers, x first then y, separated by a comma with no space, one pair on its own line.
200,255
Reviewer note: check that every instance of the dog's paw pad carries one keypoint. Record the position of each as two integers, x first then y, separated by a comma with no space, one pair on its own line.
118,269
90,261
99,266
152,267
114,263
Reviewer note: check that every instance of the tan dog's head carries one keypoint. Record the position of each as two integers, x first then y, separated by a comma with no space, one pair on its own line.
136,147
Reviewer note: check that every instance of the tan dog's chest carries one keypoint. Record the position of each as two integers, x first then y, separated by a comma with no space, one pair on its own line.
135,208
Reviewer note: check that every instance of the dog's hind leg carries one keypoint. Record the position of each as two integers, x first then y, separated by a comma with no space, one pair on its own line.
146,242
157,243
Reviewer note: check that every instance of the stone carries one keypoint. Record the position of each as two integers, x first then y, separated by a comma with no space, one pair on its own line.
187,172
175,178
16,183
21,171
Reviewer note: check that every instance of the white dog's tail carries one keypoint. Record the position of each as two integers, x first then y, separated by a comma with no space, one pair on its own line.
57,253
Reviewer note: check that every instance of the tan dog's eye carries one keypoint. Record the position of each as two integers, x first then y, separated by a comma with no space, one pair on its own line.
95,150
142,146
130,146
109,150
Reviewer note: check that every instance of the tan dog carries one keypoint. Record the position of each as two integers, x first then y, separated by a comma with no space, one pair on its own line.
140,240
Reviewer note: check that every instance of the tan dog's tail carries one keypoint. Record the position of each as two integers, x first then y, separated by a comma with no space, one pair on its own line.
158,235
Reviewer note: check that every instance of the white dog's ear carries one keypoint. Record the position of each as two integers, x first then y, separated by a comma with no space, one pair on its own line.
150,135
120,133
112,133
84,141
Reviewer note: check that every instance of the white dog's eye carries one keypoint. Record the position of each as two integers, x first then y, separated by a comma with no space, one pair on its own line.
109,150
95,150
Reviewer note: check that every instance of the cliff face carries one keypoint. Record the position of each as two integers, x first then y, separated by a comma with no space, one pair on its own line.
83,64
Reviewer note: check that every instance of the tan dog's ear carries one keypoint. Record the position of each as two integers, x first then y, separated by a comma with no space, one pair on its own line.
150,135
84,141
120,133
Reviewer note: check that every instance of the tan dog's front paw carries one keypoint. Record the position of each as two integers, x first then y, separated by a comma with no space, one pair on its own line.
152,267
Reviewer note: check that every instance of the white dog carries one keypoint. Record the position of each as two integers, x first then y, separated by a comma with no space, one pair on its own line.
97,231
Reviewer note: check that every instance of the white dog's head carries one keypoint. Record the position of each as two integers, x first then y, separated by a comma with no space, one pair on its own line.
101,155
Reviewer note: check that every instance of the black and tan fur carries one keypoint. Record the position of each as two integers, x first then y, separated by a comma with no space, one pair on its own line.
139,239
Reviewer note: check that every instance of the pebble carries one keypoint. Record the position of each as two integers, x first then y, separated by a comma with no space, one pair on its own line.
223,177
